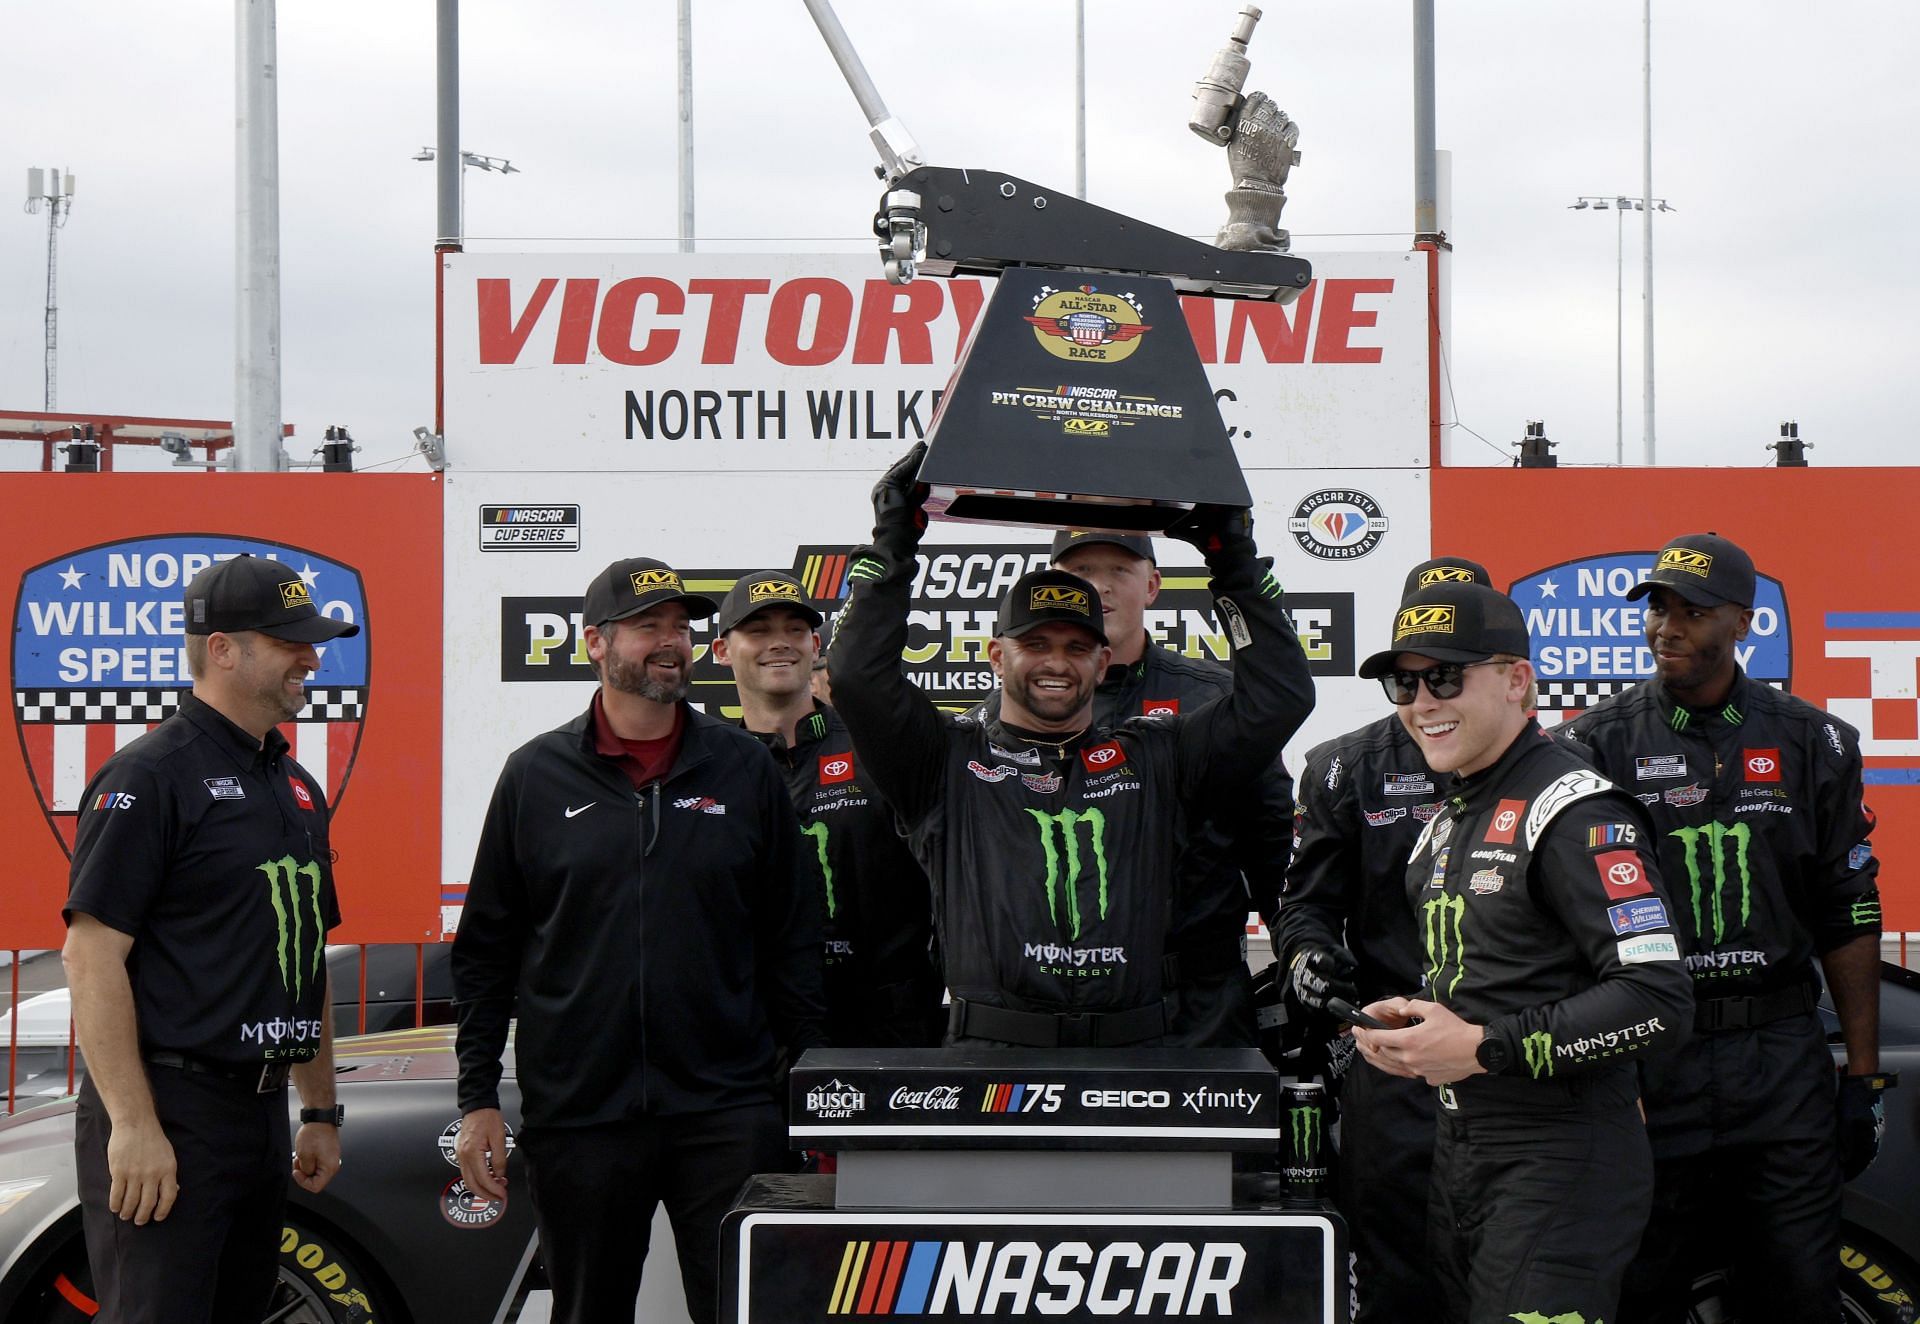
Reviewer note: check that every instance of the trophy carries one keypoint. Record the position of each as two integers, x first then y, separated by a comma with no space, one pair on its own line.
1080,400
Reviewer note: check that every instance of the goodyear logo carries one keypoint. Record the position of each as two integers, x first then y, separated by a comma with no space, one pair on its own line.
766,590
1445,574
1057,597
646,581
293,594
1686,559
1087,427
1435,619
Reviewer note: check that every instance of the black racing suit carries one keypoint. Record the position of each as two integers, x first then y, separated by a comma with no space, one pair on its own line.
1364,799
1053,861
1234,862
882,984
1762,833
1540,910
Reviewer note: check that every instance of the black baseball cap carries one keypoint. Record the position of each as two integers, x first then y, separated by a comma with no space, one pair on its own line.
1453,623
1703,568
635,584
1041,596
253,593
760,590
1445,570
1068,539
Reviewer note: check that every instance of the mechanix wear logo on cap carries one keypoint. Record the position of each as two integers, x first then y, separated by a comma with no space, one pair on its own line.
1063,884
1058,597
1445,574
768,590
646,581
1685,558
301,934
293,594
1436,619
1707,888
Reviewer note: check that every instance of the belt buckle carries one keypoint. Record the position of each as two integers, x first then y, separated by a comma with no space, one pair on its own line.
273,1076
1075,1028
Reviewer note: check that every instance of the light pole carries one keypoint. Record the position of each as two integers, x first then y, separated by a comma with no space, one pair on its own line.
1620,206
478,162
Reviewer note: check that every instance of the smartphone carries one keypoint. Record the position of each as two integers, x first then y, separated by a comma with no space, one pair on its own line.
1341,1009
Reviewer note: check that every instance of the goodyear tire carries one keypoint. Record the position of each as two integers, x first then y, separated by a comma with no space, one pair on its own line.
1876,1285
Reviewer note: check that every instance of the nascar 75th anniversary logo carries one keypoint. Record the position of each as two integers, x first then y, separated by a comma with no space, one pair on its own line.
99,658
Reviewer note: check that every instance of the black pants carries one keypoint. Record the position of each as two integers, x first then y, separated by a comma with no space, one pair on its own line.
595,1189
1386,1159
1540,1192
1763,1201
1214,1010
214,1258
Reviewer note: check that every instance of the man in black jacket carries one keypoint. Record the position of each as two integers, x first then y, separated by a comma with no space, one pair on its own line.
1755,798
1052,847
1551,966
1344,931
637,898
882,987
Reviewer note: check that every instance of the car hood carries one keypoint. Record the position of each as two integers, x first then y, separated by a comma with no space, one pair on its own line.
422,1054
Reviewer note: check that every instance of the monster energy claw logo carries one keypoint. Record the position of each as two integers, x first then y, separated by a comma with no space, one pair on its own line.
1305,1130
1716,836
1443,928
818,831
1539,1050
1067,820
294,890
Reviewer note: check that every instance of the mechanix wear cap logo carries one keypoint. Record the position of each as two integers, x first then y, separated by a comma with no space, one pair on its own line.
1444,570
646,581
1687,560
627,588
1054,597
760,589
766,590
293,593
1437,619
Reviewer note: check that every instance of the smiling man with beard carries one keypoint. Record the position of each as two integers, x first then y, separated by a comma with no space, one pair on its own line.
637,900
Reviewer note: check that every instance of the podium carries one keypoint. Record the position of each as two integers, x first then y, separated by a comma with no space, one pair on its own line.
1028,1183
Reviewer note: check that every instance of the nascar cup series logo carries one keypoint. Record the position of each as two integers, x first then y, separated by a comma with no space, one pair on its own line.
1337,524
1589,642
1087,324
99,658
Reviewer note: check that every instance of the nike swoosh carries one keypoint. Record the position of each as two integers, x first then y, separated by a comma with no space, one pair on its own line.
582,809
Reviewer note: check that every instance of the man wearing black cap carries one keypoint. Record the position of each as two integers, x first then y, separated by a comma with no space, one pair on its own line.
1052,846
1552,967
882,986
201,893
1344,931
1755,798
1224,874
637,901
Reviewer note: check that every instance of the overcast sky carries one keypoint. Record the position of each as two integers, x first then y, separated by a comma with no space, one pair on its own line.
1783,135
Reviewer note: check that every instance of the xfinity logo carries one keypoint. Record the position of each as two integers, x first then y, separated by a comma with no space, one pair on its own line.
1204,1100
936,1098
835,1099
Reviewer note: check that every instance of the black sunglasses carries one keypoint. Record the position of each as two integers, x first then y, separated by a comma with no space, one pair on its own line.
1444,681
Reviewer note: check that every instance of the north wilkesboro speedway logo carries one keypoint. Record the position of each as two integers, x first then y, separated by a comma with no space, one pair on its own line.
956,592
1589,642
99,658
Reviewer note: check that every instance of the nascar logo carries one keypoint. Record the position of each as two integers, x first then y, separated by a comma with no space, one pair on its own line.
767,589
974,1278
646,581
1058,597
1436,619
1685,558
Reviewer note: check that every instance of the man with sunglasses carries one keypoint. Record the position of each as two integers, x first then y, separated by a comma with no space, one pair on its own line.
1052,845
1344,931
637,900
1755,798
1551,968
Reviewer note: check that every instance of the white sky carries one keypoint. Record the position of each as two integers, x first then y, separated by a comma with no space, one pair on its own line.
1783,133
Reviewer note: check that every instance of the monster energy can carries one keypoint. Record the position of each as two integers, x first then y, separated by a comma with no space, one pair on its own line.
1303,1141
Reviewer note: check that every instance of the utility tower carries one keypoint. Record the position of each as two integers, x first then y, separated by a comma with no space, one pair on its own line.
52,189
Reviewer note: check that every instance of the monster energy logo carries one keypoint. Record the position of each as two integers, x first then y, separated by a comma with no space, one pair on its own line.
1716,835
1305,1125
818,831
1538,1047
1067,820
867,568
1863,912
1443,928
302,933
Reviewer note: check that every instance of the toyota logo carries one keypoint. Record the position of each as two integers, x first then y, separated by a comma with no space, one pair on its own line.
1505,821
1624,874
1104,755
1760,765
837,767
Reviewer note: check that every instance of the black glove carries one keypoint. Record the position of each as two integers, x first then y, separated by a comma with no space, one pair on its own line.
1320,972
1862,1117
1214,528
898,519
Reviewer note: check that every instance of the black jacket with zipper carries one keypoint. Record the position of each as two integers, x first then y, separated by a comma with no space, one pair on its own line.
660,948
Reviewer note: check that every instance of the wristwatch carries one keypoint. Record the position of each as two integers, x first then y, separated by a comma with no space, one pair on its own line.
1493,1053
334,1116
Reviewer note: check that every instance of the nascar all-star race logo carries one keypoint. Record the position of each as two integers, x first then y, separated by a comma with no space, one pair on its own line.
1337,524
1087,324
99,658
1589,642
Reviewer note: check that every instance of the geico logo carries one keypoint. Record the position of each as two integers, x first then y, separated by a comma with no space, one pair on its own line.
770,588
645,581
1125,1099
974,1279
1437,619
1055,597
811,321
1685,558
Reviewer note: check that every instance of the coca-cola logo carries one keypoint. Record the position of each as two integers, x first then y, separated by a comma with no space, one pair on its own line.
936,1098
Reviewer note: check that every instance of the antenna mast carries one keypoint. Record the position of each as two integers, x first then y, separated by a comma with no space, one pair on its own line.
45,188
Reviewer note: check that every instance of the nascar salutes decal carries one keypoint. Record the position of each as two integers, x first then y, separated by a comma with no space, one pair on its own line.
1622,873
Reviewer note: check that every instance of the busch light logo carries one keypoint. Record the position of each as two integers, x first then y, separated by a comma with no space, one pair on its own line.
836,1100
99,658
1589,642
